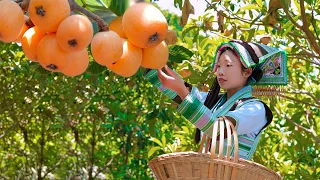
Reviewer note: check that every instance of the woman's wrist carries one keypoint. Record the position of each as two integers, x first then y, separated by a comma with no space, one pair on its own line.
183,93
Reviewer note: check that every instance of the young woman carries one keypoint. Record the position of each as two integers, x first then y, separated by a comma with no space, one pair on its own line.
236,65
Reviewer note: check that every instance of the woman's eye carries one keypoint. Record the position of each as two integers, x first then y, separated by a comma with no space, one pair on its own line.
229,65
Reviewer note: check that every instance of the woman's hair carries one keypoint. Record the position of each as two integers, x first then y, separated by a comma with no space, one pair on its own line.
213,95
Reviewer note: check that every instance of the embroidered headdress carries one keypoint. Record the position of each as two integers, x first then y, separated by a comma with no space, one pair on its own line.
271,61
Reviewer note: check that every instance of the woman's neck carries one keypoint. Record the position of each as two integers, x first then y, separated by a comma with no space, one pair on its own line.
231,92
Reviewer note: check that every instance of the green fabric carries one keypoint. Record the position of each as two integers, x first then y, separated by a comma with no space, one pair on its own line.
153,78
189,106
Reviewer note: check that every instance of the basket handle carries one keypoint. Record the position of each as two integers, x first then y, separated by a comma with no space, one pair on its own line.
222,120
229,124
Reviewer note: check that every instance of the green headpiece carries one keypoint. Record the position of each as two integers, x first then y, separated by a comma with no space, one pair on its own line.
272,61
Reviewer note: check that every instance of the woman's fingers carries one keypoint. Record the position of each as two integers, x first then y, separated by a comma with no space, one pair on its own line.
170,71
160,73
164,75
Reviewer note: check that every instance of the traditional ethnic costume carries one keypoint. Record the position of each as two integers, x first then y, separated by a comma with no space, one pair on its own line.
251,114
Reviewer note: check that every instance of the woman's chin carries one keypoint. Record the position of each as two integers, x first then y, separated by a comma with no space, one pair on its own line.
223,85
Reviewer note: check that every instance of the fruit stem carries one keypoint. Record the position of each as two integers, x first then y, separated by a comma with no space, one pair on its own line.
29,23
103,26
24,4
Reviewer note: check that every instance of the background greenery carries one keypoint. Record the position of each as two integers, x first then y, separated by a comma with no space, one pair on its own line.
100,125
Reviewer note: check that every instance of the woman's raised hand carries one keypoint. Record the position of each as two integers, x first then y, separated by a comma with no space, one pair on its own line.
173,82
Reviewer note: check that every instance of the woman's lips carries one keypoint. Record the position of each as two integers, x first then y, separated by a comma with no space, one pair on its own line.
221,80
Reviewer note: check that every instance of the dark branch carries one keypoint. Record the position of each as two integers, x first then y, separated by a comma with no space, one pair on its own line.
302,102
104,167
103,26
311,37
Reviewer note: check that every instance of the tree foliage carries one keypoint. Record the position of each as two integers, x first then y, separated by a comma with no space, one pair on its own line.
99,124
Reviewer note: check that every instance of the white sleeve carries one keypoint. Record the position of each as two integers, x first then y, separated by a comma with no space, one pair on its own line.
250,117
201,96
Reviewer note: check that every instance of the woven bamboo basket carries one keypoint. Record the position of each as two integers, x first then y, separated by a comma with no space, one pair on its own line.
210,166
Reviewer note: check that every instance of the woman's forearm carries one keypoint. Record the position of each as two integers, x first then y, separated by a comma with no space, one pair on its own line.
183,93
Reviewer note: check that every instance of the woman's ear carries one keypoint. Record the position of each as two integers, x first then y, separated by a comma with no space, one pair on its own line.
248,72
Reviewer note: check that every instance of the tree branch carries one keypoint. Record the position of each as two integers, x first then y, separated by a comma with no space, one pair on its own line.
305,53
290,18
54,167
297,91
301,55
42,143
103,26
93,145
313,22
291,33
305,28
104,167
300,127
311,61
249,22
302,102
235,16
17,1
218,34
24,4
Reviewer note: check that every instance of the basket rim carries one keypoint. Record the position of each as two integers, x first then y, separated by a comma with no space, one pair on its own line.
164,157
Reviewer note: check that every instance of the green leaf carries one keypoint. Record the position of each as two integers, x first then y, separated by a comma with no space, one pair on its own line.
251,34
259,2
153,150
178,3
116,6
96,68
179,136
310,2
185,129
196,35
91,5
179,53
249,7
152,115
187,30
106,14
170,148
232,7
157,141
297,4
286,4
39,69
164,142
296,117
181,132
288,30
164,116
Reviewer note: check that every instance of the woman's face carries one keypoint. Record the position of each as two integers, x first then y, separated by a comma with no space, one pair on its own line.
229,72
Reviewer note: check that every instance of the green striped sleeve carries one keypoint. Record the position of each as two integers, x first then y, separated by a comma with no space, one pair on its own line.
152,77
197,113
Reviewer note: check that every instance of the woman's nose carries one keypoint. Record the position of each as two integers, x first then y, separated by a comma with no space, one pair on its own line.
220,71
